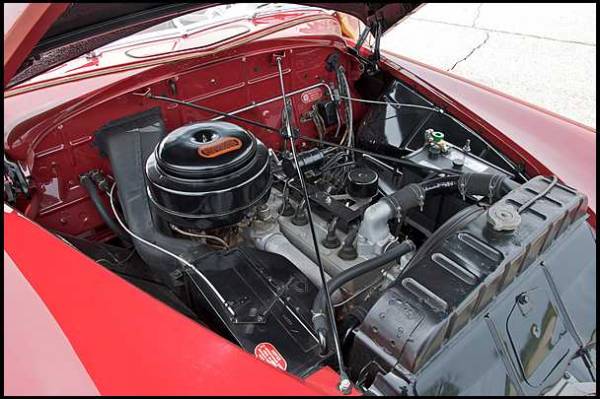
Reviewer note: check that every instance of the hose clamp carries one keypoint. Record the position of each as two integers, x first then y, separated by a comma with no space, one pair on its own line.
395,205
317,315
493,186
420,194
322,341
463,181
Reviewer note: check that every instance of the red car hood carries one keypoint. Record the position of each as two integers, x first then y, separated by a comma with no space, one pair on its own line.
40,36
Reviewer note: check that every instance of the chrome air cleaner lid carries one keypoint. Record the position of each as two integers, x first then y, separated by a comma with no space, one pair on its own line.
207,174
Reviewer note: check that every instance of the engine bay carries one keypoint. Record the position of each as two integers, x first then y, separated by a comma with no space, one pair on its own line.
416,223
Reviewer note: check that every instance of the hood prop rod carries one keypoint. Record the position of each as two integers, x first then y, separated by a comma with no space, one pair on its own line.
344,386
147,94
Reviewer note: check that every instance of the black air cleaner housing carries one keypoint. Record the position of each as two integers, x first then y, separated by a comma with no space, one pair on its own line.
207,175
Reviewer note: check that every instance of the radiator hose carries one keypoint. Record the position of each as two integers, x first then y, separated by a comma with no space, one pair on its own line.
374,231
374,228
89,185
492,186
319,317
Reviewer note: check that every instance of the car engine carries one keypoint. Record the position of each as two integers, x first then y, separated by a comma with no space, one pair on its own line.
434,251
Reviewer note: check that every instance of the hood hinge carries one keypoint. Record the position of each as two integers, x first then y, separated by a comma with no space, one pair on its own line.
370,63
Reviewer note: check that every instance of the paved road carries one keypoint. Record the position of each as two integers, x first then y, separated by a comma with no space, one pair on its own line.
542,53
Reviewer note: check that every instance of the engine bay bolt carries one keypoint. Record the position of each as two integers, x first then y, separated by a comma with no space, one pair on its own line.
348,250
263,212
434,151
523,299
331,240
467,146
300,218
345,386
457,163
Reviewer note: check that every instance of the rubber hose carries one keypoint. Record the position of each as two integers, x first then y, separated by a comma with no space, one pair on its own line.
127,143
92,190
336,282
413,195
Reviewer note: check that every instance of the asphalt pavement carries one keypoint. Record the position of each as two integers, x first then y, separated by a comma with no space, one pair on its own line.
542,53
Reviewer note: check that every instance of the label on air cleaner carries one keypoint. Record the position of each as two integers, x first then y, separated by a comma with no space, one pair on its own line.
266,352
219,147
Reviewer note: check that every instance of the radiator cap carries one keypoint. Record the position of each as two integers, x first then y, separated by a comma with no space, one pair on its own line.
503,217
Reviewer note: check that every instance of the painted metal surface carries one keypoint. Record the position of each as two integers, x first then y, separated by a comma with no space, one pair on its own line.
24,25
190,46
67,35
111,326
38,357
524,348
129,343
59,144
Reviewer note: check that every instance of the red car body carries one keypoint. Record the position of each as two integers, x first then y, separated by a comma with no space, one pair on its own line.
61,337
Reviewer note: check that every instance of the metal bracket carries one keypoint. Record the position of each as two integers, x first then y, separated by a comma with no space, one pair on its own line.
524,303
276,56
146,94
294,131
15,180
